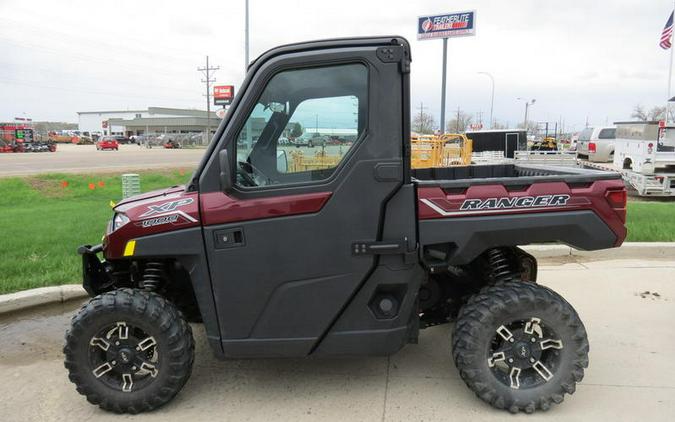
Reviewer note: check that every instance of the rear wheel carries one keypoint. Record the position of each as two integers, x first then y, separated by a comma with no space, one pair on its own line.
129,351
520,346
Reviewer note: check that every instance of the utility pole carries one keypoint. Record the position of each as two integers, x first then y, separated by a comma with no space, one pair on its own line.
208,73
421,117
457,121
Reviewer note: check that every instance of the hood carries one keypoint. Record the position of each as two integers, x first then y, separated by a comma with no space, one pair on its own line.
149,195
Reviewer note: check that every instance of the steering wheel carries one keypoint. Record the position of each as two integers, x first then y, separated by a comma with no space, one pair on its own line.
251,175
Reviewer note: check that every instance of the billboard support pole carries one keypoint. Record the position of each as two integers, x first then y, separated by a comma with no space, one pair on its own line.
445,71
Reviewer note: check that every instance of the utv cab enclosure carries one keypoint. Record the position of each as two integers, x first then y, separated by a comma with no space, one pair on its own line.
342,250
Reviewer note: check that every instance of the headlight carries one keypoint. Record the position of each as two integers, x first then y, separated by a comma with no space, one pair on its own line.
119,220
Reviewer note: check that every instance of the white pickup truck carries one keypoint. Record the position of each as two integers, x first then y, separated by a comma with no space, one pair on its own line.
645,151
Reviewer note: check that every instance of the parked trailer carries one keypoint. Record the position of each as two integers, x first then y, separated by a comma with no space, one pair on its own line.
505,140
659,184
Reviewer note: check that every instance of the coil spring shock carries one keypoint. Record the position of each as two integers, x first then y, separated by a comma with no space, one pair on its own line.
153,274
500,267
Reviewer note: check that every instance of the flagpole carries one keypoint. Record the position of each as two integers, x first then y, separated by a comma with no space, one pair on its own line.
670,72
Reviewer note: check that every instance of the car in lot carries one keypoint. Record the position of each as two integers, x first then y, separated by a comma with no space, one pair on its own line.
107,142
596,144
122,139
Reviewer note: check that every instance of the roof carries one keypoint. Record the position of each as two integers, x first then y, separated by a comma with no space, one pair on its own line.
165,121
111,111
495,130
156,110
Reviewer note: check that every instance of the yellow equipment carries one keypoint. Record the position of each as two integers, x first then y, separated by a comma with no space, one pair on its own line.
452,149
320,160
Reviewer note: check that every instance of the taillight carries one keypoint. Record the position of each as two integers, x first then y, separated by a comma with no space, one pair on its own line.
591,147
650,148
617,200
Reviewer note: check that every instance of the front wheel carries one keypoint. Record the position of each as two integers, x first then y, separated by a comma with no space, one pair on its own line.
520,346
129,351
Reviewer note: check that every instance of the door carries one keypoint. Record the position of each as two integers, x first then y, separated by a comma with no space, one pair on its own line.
317,143
511,145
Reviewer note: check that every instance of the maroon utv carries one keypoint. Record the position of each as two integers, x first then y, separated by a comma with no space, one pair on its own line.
351,257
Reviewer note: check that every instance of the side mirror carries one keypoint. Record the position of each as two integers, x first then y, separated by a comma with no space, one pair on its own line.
225,172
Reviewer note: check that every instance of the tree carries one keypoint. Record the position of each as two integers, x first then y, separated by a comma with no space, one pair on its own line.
531,127
423,123
460,122
498,125
657,113
296,131
639,113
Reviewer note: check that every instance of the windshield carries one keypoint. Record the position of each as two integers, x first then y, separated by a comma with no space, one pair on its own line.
585,134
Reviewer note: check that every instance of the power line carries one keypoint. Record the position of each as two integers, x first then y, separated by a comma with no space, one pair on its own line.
207,71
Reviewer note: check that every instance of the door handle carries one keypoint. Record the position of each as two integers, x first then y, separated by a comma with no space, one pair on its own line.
229,238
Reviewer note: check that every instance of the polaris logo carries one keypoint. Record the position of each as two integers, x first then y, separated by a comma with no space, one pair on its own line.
517,202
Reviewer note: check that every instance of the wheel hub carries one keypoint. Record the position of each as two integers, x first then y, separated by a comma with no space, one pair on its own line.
524,353
124,357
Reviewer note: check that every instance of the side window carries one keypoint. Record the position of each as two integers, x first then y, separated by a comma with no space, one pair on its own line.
303,126
607,134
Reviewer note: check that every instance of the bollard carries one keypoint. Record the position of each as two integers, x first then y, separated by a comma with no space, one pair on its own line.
131,185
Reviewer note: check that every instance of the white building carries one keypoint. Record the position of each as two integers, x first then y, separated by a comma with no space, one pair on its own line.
135,122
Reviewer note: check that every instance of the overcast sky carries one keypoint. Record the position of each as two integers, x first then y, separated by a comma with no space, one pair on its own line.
578,59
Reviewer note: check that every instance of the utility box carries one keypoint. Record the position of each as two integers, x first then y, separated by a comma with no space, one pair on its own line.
131,185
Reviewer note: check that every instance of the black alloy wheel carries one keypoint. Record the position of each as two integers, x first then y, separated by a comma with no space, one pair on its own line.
520,346
129,351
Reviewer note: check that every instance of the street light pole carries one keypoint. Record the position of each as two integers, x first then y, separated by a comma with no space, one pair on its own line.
492,96
527,106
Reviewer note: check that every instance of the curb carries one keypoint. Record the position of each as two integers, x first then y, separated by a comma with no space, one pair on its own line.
629,250
13,302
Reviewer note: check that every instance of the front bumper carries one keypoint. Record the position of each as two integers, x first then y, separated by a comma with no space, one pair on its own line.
95,278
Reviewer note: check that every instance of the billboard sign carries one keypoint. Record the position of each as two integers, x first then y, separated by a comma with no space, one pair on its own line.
223,94
448,25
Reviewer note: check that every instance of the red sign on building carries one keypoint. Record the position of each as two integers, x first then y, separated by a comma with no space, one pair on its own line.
223,94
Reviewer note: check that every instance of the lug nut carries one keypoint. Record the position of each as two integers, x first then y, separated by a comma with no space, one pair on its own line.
510,360
533,339
531,360
133,367
117,343
512,340
114,362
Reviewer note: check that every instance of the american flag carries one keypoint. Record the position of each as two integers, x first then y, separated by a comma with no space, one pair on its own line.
667,33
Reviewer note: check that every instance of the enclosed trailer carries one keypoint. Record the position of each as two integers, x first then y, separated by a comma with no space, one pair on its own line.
505,140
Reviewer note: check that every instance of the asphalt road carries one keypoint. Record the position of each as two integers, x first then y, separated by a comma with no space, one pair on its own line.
70,158
631,375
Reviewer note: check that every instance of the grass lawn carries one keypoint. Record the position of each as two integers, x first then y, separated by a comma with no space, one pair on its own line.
42,223
651,221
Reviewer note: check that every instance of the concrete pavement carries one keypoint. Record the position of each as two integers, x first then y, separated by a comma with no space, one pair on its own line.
628,307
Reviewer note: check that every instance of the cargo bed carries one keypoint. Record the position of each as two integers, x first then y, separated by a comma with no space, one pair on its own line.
507,174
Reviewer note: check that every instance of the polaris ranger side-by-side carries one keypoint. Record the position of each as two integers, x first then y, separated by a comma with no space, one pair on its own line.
350,258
